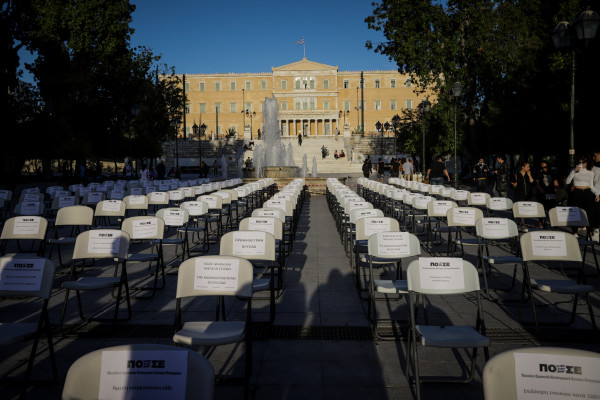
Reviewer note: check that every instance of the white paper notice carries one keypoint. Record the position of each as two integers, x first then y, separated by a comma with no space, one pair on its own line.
194,208
137,199
368,212
21,274
549,244
393,244
354,205
527,208
104,241
144,228
262,224
268,213
158,196
31,197
111,205
216,274
136,191
421,202
498,203
568,214
30,207
248,243
460,194
478,199
374,225
143,374
495,227
441,207
174,217
464,216
95,197
542,376
26,225
210,200
66,201
441,273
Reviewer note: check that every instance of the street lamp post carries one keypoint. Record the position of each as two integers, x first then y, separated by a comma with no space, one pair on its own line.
564,36
456,93
344,113
424,108
251,115
176,125
382,128
135,111
199,131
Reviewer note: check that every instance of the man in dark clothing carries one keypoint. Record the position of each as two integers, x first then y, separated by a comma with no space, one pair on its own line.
546,184
501,172
436,172
160,171
480,172
366,169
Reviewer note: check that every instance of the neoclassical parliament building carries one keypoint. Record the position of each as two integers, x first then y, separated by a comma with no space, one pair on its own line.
314,100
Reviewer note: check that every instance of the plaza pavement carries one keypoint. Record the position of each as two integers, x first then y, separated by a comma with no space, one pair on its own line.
320,345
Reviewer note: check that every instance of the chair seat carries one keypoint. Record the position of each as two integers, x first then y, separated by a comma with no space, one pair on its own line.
62,240
451,336
168,241
560,286
503,259
443,229
16,332
210,333
193,229
92,283
389,286
142,257
260,285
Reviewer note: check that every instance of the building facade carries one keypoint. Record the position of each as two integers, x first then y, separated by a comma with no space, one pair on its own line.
314,100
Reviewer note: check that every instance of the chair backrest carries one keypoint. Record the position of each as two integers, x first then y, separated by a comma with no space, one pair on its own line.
101,243
503,374
225,196
251,245
463,216
528,209
567,216
233,193
22,276
394,245
442,275
110,208
136,202
215,276
496,228
6,195
158,198
29,208
195,208
550,246
88,379
285,205
499,204
24,227
477,199
75,216
92,198
28,197
174,216
272,225
59,202
359,213
214,202
144,227
367,226
269,212
439,208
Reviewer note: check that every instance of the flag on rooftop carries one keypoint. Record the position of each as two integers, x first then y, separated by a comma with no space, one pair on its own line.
301,41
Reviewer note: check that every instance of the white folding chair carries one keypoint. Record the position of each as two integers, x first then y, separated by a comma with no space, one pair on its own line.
28,228
75,218
176,221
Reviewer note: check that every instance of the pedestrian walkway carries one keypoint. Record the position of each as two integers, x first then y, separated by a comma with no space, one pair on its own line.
320,345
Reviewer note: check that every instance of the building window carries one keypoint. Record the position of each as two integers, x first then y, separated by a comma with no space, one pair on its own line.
409,105
232,86
327,128
408,82
284,105
298,104
202,86
377,83
392,83
346,105
233,107
346,83
392,104
326,84
249,107
217,86
297,83
283,85
325,105
202,107
248,85
187,108
305,103
218,107
187,86
263,85
378,104
312,103
312,83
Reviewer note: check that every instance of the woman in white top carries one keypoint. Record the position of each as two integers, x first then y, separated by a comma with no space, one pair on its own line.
583,194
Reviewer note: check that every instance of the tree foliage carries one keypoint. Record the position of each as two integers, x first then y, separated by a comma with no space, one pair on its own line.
515,82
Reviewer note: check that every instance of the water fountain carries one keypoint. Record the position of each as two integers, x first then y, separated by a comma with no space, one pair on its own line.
314,167
271,159
304,166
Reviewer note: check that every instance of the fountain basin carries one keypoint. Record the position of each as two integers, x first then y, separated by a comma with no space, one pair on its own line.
281,172
314,185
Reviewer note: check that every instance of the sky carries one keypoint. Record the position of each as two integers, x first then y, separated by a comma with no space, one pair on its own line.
220,36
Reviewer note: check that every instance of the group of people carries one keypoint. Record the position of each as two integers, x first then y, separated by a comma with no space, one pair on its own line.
398,167
341,155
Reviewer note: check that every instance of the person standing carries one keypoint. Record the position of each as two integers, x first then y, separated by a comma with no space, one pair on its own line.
370,164
480,172
523,182
366,169
596,171
299,139
394,168
160,171
501,186
380,170
437,171
583,193
408,169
